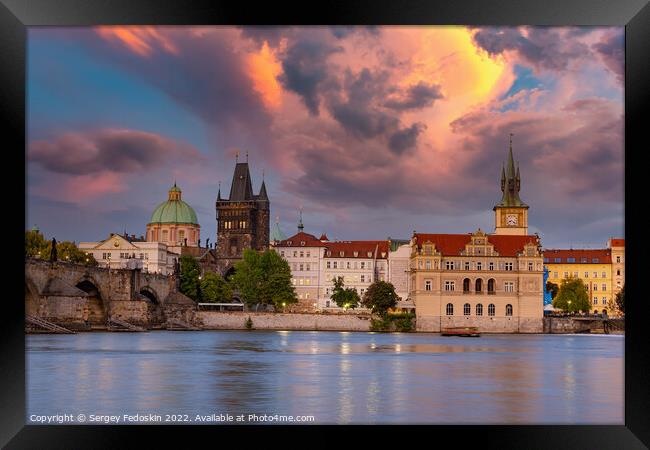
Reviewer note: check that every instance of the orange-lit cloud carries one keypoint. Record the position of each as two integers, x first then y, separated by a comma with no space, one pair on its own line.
140,40
263,68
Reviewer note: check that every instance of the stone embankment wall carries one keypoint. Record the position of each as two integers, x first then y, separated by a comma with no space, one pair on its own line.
566,325
213,320
434,324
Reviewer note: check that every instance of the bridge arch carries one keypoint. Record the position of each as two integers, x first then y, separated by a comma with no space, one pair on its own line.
155,312
96,311
150,294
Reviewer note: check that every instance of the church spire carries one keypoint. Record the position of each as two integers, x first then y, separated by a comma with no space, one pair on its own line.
219,192
510,181
300,224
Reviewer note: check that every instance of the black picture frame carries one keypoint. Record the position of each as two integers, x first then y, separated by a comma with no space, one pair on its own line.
16,15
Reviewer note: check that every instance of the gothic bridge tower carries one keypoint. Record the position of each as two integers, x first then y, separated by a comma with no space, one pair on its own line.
511,214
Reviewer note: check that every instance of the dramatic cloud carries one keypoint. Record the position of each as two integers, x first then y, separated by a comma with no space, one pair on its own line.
546,48
418,96
612,49
405,139
113,150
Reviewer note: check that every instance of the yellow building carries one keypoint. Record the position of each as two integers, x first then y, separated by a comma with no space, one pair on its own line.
602,271
490,281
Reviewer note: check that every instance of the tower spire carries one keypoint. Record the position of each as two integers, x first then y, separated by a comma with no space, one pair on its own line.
237,157
300,224
510,180
219,192
246,156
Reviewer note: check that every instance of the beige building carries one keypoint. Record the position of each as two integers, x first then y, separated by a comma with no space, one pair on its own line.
490,281
128,252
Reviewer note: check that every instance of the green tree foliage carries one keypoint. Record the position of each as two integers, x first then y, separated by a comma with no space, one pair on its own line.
552,288
189,277
36,246
620,300
214,289
264,278
344,297
572,296
380,297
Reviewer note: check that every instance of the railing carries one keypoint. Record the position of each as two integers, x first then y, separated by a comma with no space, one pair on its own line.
54,328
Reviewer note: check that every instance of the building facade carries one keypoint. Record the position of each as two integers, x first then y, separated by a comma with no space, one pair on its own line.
128,252
490,281
601,270
174,223
242,220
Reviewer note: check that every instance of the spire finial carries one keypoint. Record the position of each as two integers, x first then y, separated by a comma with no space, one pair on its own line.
262,174
246,156
300,224
236,156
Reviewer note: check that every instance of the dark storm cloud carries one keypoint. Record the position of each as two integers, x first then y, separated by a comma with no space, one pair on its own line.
405,139
546,48
305,70
417,96
115,150
612,50
265,33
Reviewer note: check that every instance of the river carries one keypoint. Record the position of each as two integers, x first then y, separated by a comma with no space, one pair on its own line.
326,378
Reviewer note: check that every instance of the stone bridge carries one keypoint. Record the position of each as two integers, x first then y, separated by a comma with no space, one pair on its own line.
85,297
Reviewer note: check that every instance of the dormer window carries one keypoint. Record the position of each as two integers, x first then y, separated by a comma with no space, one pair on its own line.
356,254
341,253
383,254
302,243
329,253
289,242
369,254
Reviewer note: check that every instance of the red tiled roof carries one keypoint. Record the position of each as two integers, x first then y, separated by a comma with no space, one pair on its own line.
581,256
617,242
453,244
361,247
297,239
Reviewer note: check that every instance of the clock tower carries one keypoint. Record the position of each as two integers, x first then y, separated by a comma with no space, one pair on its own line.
511,214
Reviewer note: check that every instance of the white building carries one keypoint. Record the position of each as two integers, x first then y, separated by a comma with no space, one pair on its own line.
399,272
122,252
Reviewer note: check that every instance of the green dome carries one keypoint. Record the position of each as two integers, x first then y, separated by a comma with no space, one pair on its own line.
174,210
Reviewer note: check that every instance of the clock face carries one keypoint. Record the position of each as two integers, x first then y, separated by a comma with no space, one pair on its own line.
511,219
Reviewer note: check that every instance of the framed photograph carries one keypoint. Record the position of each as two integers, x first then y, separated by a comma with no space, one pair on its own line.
281,219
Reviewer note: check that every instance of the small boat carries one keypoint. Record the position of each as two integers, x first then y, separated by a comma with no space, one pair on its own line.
461,331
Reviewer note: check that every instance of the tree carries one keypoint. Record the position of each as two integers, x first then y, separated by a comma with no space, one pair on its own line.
572,296
552,288
189,277
380,297
214,289
344,297
37,247
264,278
620,300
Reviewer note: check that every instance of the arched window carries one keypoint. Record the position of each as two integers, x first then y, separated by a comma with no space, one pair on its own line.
491,309
479,309
478,285
508,310
450,309
491,286
466,285
466,309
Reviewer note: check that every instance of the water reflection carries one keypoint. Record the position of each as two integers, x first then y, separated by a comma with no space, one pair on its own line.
337,377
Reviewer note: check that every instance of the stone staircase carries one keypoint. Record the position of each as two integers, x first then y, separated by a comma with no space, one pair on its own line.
42,324
115,324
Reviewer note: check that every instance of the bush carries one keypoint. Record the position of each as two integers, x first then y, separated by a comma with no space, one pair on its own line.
394,322
249,323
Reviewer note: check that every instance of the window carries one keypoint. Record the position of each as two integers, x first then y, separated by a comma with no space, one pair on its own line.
509,266
583,260
478,286
450,309
334,264
466,285
595,287
570,260
301,267
295,254
603,287
363,264
427,285
466,309
329,265
618,271
307,266
369,254
302,254
307,294
302,243
466,265
300,281
566,274
282,253
428,264
363,278
491,266
575,274
595,274
479,309
509,286
450,265
586,274
293,281
546,260
491,309
308,254
327,304
595,300
450,286
165,235
595,260
618,259
362,291
348,265
530,266
479,266
508,310
557,260
604,275
554,274
491,286
341,254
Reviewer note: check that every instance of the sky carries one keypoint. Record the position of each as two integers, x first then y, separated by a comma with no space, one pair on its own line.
373,131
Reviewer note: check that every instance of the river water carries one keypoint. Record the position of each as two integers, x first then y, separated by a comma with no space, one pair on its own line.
346,378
